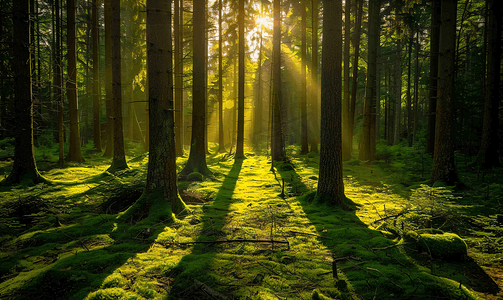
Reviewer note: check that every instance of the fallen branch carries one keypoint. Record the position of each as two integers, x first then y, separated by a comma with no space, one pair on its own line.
208,291
391,246
227,241
309,234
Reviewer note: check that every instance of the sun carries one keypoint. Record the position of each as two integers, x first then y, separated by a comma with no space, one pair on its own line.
264,22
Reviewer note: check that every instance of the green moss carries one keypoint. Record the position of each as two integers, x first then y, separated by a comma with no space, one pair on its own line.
195,176
114,280
448,246
112,294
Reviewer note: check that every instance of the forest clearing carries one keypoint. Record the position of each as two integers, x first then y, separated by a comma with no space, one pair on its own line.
66,241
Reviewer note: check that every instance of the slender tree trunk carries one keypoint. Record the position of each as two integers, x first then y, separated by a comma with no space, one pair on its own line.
330,184
197,156
444,169
57,80
377,101
303,83
416,89
119,157
367,144
346,146
488,156
178,23
398,78
71,87
409,99
432,95
315,134
356,43
108,79
241,100
259,110
96,78
277,142
161,174
221,145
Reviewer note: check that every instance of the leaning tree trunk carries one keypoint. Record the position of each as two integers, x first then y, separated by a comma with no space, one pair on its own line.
330,184
24,170
197,155
161,174
488,156
444,169
74,153
119,157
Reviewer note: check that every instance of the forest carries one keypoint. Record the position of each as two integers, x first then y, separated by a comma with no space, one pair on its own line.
258,149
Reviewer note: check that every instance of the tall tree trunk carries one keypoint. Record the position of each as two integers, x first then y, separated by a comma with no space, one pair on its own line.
24,169
71,87
444,169
241,100
58,80
330,184
197,156
161,174
409,99
367,144
356,57
178,31
416,89
346,146
277,142
109,150
119,157
315,134
488,156
259,109
303,84
398,77
221,145
432,95
96,78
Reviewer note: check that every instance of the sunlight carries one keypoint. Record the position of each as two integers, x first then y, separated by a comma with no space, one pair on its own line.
264,22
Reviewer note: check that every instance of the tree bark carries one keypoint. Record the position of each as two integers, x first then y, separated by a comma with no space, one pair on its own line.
24,169
346,146
119,157
197,155
367,144
356,57
409,99
109,150
96,78
444,169
241,87
416,89
221,145
161,174
330,184
488,156
314,136
74,153
277,142
432,95
398,77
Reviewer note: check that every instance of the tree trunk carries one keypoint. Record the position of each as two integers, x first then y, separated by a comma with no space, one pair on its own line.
119,157
330,184
277,142
197,156
179,130
161,174
416,89
315,134
96,79
109,150
409,99
24,169
443,160
241,87
358,26
346,146
71,87
259,109
488,156
221,143
303,83
367,144
398,78
432,95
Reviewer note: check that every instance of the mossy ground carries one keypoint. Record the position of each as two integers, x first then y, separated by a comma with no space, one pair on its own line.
76,241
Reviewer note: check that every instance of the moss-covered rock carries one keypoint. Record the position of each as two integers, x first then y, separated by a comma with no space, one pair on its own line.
195,176
445,245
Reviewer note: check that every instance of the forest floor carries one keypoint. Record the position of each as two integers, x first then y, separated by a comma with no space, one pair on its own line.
248,233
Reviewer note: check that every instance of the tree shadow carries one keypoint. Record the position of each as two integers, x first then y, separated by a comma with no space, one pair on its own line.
372,265
196,265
